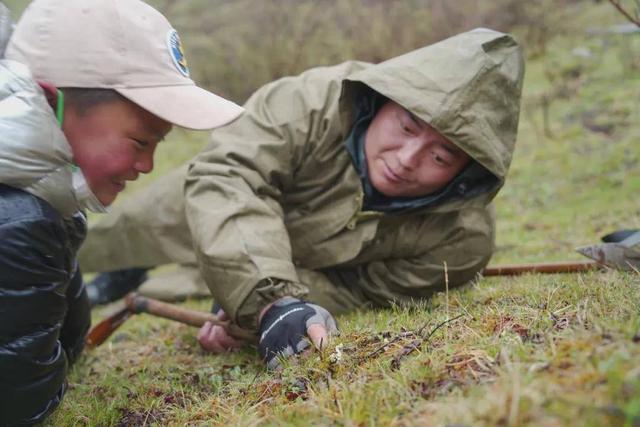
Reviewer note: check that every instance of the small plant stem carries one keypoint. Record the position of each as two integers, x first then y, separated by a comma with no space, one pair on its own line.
446,294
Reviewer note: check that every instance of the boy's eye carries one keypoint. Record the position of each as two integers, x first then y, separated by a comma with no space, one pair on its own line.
141,142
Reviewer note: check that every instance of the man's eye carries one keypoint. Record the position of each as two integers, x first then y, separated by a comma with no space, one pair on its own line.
407,128
441,160
141,142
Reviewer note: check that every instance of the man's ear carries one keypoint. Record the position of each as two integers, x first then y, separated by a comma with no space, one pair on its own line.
50,91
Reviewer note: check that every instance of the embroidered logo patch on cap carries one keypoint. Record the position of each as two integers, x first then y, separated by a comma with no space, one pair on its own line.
177,52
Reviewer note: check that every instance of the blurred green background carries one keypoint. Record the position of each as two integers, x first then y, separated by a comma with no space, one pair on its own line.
235,46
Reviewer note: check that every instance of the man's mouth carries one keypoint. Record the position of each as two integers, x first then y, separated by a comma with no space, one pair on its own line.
390,175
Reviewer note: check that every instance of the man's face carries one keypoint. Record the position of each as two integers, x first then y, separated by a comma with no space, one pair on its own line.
113,143
406,157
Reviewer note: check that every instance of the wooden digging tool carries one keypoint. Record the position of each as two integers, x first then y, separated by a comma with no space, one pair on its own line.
135,303
547,268
618,252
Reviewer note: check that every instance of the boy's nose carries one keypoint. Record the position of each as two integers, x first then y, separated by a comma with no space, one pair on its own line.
145,163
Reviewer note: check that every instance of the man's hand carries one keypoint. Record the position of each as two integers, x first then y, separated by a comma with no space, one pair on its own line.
285,325
214,338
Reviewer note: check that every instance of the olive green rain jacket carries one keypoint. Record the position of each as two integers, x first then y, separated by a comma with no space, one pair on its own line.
274,204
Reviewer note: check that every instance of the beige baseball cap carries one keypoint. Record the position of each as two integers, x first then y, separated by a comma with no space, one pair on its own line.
125,45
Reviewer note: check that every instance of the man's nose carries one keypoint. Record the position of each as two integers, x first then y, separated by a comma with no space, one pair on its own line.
410,153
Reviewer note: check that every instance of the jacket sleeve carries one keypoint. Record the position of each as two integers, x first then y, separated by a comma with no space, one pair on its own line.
466,249
233,191
34,277
77,320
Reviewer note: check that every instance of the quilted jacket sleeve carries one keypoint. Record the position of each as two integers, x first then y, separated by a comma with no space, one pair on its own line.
36,266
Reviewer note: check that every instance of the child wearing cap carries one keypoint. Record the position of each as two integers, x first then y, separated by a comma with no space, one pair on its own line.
87,91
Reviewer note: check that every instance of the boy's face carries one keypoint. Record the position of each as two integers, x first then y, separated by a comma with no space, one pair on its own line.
112,143
406,157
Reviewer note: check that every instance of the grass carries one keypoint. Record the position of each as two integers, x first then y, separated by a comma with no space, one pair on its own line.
533,350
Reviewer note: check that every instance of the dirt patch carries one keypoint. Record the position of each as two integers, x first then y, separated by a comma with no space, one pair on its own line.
131,418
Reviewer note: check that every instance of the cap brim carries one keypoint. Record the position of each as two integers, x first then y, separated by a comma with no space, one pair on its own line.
187,106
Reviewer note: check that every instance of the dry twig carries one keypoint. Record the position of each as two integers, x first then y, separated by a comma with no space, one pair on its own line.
622,10
416,344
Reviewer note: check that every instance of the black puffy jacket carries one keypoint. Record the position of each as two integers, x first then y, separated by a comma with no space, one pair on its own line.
44,310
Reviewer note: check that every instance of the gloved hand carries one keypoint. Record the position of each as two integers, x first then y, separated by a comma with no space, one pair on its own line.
214,338
285,325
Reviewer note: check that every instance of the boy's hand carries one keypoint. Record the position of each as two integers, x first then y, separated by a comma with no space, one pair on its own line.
214,338
285,326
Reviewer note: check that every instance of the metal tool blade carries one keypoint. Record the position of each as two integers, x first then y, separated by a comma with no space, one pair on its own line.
613,255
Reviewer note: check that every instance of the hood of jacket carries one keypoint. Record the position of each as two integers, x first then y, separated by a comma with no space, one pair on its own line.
35,156
468,87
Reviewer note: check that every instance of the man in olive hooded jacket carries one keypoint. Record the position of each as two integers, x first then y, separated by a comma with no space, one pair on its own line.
348,186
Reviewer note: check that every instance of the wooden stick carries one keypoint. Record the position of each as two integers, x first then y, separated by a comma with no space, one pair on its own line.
136,303
545,268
